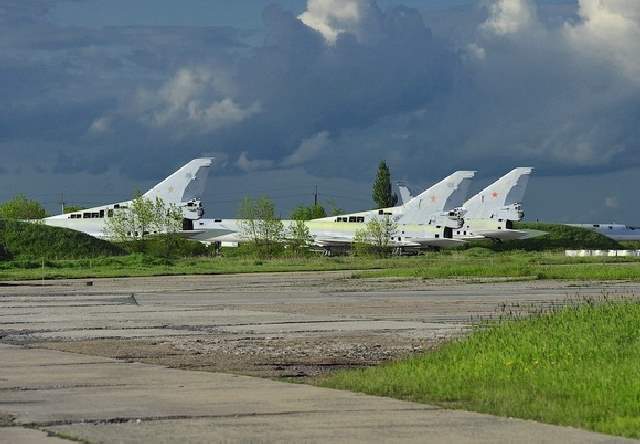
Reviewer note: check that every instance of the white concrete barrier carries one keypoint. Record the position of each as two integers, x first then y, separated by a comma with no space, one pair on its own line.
600,253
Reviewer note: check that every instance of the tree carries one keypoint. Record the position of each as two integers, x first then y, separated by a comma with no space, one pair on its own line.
298,236
260,225
334,210
22,208
142,218
382,195
302,212
361,245
144,214
72,209
376,237
381,231
167,219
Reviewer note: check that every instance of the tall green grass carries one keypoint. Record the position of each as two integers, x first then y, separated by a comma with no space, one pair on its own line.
577,366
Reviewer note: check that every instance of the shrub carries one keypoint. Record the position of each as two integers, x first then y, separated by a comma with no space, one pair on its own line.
168,246
36,241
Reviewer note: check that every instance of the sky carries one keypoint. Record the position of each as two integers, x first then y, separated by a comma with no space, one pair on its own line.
104,98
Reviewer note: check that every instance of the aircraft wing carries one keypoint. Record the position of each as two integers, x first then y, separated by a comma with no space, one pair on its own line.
510,234
332,241
343,241
189,234
442,242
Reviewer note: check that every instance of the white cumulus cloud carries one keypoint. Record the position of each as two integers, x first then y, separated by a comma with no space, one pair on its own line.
610,31
333,17
193,100
309,149
510,16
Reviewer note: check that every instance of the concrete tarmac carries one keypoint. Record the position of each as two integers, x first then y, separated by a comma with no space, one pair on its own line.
243,324
104,400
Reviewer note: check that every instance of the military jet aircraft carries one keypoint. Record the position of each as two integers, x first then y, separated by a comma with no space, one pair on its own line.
491,212
183,189
421,222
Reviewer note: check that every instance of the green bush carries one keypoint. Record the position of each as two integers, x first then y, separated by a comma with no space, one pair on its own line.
35,241
20,207
167,246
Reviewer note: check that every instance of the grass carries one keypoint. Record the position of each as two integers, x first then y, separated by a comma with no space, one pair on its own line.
473,263
576,366
559,237
484,263
71,254
141,265
18,239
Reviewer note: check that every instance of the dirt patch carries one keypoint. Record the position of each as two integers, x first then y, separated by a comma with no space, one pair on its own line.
265,356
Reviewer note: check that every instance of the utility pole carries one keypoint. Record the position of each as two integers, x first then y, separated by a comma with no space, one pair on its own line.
315,197
62,202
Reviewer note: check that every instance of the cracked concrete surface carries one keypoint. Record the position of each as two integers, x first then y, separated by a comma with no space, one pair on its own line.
285,324
105,400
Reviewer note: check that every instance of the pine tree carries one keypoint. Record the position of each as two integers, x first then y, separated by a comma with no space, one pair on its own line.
382,195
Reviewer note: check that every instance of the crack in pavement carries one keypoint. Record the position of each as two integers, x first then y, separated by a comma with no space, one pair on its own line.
59,387
125,419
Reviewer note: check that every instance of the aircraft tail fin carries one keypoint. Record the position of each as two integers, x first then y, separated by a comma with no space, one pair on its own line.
405,193
185,184
505,192
445,195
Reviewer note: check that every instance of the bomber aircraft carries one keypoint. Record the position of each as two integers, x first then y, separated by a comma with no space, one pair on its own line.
491,212
421,222
183,189
332,235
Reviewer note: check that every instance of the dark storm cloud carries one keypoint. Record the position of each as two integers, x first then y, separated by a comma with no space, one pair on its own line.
295,86
57,81
334,90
